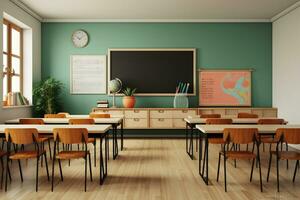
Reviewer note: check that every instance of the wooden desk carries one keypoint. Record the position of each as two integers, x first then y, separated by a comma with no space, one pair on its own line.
191,122
214,131
95,131
114,121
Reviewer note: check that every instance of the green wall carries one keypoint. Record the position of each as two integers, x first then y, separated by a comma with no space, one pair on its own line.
219,45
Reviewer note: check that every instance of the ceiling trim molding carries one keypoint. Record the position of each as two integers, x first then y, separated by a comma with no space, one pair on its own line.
27,9
162,20
286,11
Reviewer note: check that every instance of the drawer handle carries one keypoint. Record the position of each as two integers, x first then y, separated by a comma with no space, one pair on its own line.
185,111
161,119
183,119
136,111
161,111
136,119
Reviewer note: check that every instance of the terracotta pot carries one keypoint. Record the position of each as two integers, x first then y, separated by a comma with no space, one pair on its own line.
128,101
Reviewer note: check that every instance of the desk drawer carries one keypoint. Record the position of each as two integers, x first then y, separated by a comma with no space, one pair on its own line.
179,123
136,123
160,113
112,112
184,113
161,123
136,113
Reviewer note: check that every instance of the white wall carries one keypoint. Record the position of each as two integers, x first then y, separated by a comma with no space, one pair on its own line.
286,66
16,12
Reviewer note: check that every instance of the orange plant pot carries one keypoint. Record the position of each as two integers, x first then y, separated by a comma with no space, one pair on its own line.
128,101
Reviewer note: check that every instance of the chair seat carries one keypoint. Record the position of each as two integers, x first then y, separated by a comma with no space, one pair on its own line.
288,155
216,141
66,155
25,155
248,155
2,153
91,140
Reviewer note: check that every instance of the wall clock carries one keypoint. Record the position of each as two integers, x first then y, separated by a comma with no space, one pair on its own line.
80,38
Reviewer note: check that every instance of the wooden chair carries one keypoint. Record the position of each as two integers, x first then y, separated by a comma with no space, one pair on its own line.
61,115
289,136
247,115
210,116
2,155
64,113
212,121
99,115
90,140
70,136
240,136
24,136
42,139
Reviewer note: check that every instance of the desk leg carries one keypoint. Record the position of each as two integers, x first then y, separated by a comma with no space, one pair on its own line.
122,134
200,152
115,142
191,147
101,163
186,138
205,162
106,152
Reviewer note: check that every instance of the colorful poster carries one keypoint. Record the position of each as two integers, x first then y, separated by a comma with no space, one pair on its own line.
225,88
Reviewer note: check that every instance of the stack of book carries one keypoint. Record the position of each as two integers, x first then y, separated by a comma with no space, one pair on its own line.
102,104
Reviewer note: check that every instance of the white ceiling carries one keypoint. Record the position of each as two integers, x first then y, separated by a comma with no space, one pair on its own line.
158,9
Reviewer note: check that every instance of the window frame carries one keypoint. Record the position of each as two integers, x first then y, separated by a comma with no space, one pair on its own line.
9,71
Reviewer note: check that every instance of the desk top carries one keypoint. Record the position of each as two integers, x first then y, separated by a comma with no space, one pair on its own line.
94,129
261,128
112,120
198,120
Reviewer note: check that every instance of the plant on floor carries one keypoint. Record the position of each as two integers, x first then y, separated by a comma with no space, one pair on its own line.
128,99
46,96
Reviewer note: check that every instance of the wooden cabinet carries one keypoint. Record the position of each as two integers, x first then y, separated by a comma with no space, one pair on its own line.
173,118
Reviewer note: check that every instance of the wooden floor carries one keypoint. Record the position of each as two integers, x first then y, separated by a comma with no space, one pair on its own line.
154,169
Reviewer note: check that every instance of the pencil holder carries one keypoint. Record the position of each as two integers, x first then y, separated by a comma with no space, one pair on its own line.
181,101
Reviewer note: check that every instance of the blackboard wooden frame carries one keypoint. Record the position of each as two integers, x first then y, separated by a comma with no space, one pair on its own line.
155,49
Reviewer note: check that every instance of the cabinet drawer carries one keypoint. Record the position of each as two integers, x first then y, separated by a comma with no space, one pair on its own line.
184,113
160,123
112,112
136,123
179,123
160,113
270,113
136,113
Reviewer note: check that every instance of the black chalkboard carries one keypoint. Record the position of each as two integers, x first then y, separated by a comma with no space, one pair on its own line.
153,71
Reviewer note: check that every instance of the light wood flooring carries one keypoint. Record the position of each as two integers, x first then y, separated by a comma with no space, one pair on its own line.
154,169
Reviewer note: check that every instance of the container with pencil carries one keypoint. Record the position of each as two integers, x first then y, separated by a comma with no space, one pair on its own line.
181,100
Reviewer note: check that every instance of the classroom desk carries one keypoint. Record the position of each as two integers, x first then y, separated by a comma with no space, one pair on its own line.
216,131
113,121
95,131
191,122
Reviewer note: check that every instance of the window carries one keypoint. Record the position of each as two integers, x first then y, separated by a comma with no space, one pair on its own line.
12,57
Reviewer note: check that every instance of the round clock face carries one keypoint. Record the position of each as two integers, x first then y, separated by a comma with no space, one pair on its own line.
80,38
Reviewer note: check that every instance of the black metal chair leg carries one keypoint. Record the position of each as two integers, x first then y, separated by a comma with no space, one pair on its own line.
46,163
43,147
37,174
90,164
60,170
85,172
295,172
218,167
95,153
260,178
49,146
20,169
225,183
277,166
52,179
269,168
2,172
252,169
287,161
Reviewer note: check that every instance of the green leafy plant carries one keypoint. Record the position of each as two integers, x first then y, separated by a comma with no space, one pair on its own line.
46,96
129,91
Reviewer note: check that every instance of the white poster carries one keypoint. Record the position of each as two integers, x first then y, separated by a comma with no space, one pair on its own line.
88,74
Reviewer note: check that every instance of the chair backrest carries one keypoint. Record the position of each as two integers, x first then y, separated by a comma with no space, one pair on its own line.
218,121
55,115
99,115
270,121
247,115
82,121
31,121
21,135
71,135
240,135
210,116
64,113
290,135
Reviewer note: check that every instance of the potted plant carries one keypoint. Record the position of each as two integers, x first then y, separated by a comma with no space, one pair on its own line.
129,99
46,97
